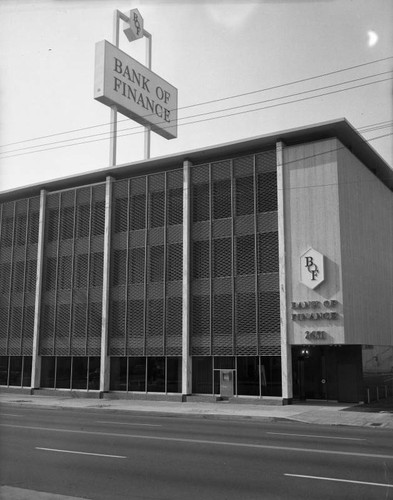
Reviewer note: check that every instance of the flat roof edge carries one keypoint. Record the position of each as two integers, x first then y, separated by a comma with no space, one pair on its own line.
339,128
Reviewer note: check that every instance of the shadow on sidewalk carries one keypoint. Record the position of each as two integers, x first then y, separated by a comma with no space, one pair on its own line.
374,407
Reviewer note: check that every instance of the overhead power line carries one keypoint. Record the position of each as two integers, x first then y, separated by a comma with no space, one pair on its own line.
294,82
203,114
6,154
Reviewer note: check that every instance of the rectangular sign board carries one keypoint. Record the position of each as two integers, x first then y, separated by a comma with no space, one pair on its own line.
137,92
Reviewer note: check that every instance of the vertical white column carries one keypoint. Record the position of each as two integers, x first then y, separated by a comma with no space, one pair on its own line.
286,354
113,137
105,359
186,358
113,115
36,358
148,64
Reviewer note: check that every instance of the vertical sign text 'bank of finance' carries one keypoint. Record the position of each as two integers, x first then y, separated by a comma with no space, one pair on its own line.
137,92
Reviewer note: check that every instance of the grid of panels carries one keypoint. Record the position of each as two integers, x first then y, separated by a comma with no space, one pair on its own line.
19,226
73,272
235,257
146,266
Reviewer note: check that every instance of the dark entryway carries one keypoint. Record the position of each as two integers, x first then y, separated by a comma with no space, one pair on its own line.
330,373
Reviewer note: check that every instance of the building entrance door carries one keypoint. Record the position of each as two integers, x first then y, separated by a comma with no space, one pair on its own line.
313,373
330,373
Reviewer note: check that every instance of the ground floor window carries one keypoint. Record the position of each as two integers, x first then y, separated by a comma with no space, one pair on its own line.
253,375
70,372
15,371
377,364
146,374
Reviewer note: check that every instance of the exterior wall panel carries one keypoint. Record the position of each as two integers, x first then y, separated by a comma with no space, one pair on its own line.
312,220
366,227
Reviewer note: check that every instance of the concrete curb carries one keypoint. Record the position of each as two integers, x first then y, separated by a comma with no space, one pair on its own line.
322,415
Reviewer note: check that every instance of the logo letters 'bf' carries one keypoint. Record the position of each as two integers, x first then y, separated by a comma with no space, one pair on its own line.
133,29
312,268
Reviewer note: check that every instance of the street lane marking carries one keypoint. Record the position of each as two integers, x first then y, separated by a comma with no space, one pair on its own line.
203,441
314,436
10,415
127,423
340,480
80,452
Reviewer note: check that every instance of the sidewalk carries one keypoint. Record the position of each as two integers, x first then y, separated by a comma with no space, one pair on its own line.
326,414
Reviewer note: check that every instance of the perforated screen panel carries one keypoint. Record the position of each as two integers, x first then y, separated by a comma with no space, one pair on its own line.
73,272
146,266
19,226
235,309
235,257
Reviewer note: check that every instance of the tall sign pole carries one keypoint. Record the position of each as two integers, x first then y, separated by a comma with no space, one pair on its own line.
131,88
133,31
148,64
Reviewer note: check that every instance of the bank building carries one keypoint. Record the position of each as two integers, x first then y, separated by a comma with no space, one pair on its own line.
258,269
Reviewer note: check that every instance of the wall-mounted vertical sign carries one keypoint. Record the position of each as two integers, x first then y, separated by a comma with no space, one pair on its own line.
312,272
137,92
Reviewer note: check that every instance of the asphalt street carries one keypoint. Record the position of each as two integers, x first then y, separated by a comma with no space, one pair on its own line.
108,454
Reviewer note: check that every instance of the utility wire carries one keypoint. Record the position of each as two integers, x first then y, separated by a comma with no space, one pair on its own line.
204,114
215,100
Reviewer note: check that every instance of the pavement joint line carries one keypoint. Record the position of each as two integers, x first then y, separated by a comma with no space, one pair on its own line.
79,452
205,441
321,478
128,423
314,436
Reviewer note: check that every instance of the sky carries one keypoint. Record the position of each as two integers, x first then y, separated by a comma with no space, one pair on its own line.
242,69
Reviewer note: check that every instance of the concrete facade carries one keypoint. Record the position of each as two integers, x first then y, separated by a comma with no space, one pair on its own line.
269,259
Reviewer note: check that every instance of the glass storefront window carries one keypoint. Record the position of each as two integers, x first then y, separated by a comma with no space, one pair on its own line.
254,375
15,376
48,372
174,374
377,371
63,373
224,362
141,374
248,376
118,377
202,375
156,374
94,373
3,370
26,380
79,373
271,376
216,382
137,374
15,371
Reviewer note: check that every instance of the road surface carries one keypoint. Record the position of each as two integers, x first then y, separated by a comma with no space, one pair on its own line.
107,455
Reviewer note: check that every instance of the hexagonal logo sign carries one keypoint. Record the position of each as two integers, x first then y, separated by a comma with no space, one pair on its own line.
134,28
312,272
